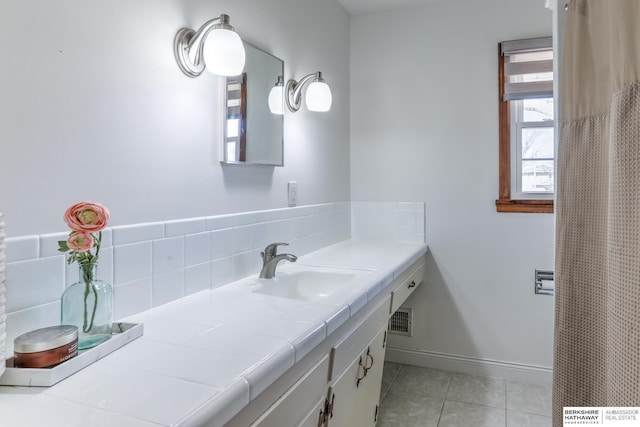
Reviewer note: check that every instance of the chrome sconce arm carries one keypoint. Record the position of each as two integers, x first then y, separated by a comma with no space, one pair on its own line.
318,96
220,51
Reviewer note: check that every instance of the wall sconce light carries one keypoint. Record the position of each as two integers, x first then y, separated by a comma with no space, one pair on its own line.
318,97
275,97
215,44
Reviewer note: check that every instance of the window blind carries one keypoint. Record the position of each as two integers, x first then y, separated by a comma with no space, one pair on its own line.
528,68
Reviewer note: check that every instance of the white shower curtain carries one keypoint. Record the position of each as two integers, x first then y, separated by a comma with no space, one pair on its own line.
597,316
3,332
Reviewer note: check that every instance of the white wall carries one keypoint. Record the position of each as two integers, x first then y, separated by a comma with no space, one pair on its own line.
424,126
93,106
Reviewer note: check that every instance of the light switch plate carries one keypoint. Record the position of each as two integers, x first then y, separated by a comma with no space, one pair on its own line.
292,191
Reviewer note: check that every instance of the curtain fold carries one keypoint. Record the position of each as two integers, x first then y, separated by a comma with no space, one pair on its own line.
3,316
597,316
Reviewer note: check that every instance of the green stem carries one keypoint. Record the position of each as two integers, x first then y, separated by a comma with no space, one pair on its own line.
97,245
87,275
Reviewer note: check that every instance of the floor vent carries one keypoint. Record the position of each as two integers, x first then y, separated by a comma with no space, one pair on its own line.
401,322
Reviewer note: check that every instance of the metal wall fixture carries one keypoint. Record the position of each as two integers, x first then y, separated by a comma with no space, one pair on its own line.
214,46
317,98
401,322
544,282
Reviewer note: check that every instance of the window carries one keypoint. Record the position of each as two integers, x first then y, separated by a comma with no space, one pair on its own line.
235,128
526,129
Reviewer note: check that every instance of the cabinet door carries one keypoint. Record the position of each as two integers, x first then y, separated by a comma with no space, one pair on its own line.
356,393
294,406
368,396
313,417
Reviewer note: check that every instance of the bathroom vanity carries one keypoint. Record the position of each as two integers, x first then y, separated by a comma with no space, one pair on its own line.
289,351
339,382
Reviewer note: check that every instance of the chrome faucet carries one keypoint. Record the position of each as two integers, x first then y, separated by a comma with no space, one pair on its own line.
271,258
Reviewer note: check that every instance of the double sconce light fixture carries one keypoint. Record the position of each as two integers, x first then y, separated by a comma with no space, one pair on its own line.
218,48
317,98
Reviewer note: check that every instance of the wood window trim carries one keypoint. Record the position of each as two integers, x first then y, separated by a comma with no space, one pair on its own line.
243,121
505,203
241,114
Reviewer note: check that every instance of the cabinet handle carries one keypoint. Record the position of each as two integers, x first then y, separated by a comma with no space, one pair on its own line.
412,284
333,399
364,372
369,356
321,419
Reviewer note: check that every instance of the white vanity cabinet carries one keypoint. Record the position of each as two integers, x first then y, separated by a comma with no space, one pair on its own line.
297,403
355,394
337,384
407,284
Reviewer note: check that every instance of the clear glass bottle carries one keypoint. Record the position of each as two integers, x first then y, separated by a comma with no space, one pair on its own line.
88,304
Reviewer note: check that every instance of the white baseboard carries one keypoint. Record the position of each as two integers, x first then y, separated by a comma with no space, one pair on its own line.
471,365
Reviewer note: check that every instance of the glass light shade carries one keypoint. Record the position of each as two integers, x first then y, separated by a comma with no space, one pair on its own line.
223,52
275,100
318,97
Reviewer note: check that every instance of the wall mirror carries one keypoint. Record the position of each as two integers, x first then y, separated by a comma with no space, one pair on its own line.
252,134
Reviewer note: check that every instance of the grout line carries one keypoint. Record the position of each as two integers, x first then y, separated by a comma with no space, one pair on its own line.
506,396
445,398
391,383
395,376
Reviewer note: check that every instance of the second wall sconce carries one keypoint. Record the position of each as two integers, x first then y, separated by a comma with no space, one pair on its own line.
275,97
318,96
215,45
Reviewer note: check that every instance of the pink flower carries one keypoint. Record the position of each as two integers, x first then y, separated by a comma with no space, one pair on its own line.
80,241
87,217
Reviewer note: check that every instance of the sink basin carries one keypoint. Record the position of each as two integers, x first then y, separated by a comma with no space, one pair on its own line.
307,285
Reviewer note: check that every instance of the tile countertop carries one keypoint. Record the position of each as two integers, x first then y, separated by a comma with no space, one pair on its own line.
206,356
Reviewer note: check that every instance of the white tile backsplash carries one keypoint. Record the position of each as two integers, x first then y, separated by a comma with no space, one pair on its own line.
22,248
245,264
197,248
151,264
242,239
403,221
40,316
197,278
167,287
184,227
34,282
137,233
168,255
132,297
49,244
221,271
133,262
222,243
248,218
220,222
260,235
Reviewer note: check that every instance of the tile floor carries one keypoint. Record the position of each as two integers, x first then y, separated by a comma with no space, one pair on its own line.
423,397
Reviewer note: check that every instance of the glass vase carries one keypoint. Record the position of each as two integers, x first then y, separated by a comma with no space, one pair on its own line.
88,304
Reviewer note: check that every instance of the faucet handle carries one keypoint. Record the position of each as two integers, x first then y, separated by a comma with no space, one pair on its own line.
272,249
